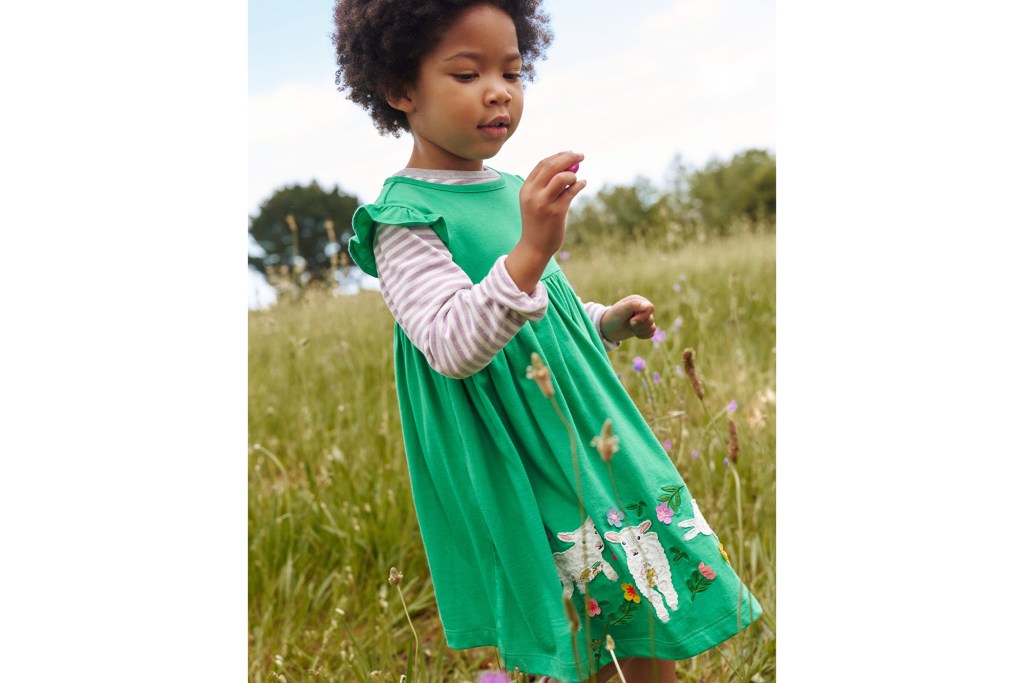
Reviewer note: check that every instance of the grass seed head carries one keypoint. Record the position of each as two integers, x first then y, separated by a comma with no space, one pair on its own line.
540,374
691,371
395,577
606,443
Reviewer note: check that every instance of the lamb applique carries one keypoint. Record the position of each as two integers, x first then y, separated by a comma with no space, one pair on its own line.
698,523
647,563
570,564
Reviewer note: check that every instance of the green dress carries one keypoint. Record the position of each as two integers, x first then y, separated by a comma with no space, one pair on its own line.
494,482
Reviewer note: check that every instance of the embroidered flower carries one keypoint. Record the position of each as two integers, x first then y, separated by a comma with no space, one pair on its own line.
639,364
593,609
664,513
629,593
706,571
615,517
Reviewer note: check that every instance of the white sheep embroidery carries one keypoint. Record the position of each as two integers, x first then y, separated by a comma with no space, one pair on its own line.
570,564
698,523
647,563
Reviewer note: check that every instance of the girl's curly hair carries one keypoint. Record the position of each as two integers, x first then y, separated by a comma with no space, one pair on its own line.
379,44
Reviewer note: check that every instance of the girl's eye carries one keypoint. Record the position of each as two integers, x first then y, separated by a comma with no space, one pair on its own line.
513,77
465,78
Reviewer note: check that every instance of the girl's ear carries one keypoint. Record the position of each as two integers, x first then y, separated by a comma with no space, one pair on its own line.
400,101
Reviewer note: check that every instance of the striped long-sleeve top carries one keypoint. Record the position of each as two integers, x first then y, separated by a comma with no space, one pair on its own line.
458,326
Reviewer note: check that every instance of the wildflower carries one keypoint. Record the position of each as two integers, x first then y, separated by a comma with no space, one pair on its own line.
570,613
732,406
540,374
667,444
706,571
615,517
593,609
493,677
695,453
629,593
691,371
734,442
676,288
677,323
659,336
395,577
639,364
657,377
721,549
664,513
606,443
563,255
679,370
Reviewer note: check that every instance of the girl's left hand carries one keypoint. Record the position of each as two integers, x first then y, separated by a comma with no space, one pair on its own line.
630,317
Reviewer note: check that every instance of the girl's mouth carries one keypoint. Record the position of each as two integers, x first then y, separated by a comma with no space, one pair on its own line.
496,130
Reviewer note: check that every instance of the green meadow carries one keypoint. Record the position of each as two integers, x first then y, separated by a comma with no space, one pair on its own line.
330,508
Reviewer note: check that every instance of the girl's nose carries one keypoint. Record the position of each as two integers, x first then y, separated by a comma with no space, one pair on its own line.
499,94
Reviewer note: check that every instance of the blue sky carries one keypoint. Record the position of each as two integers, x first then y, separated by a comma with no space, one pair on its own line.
630,85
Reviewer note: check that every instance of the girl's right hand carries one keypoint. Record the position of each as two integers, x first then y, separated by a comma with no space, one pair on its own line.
544,202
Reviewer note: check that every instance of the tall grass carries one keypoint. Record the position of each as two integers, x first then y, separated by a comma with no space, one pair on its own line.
330,509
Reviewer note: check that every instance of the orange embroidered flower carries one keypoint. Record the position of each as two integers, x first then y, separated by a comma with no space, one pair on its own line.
629,593
706,571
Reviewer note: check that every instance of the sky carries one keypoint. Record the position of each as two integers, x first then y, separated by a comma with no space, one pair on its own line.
630,85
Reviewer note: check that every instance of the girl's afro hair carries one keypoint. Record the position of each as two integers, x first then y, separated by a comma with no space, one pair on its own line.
379,44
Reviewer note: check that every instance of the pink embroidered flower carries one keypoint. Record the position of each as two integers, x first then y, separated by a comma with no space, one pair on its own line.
629,593
664,513
706,571
593,609
615,517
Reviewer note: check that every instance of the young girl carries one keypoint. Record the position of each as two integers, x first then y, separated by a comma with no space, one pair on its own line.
464,257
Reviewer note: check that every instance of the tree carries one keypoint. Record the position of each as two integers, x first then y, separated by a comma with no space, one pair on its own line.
741,188
311,207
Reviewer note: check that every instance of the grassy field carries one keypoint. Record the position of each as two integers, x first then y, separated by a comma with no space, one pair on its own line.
330,509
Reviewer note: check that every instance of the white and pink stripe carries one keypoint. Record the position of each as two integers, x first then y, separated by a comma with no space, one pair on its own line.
458,326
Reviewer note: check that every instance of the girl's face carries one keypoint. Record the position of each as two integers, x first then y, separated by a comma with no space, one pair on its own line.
468,98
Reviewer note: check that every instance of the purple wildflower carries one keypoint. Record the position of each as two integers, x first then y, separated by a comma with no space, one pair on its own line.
732,406
667,444
676,288
564,255
639,364
493,677
659,336
657,377
694,453
679,370
615,517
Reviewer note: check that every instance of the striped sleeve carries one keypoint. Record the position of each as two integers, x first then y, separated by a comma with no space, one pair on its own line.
457,325
595,311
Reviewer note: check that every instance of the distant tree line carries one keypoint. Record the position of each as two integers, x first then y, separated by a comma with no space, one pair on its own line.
305,229
723,198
